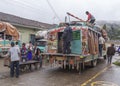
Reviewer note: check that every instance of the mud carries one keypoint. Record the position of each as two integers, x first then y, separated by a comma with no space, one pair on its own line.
48,76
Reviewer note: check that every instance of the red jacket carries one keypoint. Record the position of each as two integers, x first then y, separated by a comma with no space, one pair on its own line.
90,17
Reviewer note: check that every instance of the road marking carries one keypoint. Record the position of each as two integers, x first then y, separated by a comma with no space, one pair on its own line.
103,83
89,80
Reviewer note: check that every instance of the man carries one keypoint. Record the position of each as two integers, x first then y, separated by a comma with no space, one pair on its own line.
67,38
91,18
15,58
110,53
101,43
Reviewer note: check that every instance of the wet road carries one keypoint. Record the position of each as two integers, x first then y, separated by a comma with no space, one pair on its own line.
48,76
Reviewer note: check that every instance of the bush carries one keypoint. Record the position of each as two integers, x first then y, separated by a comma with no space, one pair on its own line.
117,63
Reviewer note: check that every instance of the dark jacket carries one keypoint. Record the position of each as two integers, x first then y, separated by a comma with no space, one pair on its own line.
67,34
110,51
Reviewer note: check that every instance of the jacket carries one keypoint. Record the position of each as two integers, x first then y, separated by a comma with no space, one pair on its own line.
67,34
110,51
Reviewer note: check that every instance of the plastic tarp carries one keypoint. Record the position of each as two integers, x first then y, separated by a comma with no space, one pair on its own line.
9,29
41,34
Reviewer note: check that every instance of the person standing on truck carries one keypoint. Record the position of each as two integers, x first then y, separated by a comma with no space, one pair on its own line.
110,53
91,18
101,43
67,38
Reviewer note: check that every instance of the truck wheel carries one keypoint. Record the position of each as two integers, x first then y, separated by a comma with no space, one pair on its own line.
94,63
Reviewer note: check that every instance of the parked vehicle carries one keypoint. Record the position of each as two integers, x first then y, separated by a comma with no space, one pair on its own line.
41,40
8,33
117,49
42,45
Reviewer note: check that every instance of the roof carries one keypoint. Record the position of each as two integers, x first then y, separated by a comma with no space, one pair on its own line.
22,21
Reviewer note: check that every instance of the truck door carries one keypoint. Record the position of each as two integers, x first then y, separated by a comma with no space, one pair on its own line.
60,42
76,44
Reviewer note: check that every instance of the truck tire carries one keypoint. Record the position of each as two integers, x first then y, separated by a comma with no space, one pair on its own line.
94,63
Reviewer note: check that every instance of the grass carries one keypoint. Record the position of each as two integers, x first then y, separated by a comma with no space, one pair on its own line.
117,63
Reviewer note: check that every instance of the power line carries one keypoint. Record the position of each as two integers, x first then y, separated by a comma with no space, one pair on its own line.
53,10
26,5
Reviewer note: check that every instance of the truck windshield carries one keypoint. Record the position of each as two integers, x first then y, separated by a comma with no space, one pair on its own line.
41,43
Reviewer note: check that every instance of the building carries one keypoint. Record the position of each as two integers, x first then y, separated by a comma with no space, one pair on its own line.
26,27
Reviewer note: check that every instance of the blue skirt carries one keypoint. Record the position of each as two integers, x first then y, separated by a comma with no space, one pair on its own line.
29,55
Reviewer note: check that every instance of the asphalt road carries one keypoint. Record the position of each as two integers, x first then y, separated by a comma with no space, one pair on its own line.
101,75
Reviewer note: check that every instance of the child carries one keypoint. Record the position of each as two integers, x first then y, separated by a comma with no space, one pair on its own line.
24,53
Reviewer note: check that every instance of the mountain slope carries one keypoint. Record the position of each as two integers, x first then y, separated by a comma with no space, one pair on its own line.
112,28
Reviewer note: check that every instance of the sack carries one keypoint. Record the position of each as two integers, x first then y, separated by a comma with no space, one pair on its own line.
104,47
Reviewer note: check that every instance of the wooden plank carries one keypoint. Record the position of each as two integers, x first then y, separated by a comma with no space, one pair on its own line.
60,54
28,62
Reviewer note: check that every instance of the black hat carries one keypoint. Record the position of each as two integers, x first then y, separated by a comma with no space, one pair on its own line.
12,44
87,12
67,24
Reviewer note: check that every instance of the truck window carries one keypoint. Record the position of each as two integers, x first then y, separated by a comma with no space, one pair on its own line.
41,43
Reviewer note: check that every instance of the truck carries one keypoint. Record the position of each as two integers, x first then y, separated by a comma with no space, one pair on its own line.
42,45
8,33
84,46
41,40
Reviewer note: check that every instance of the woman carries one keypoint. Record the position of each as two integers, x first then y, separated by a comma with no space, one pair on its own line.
38,57
30,49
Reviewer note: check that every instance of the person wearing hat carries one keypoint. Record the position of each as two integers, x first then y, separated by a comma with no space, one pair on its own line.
14,54
67,38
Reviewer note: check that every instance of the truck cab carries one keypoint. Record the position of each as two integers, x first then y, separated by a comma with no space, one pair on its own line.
42,44
8,33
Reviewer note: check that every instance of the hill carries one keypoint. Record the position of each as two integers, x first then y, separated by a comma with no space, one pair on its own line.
112,28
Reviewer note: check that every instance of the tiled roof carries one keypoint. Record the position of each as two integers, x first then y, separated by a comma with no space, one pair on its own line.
22,21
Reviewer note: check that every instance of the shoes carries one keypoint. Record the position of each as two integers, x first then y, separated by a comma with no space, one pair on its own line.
12,76
68,53
5,65
17,76
64,53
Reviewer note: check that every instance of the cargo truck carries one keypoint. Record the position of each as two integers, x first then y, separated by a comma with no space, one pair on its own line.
84,46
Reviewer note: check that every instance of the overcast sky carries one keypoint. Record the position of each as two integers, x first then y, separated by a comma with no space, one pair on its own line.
40,10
